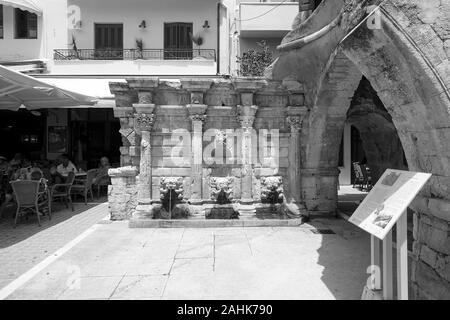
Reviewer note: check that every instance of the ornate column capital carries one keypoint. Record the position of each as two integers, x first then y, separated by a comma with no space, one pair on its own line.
295,122
144,121
296,117
197,112
246,116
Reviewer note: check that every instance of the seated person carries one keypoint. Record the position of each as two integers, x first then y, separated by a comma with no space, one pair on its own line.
17,160
4,165
66,166
34,171
55,177
102,177
15,172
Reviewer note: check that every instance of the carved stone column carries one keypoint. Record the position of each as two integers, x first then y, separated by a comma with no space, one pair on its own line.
144,125
198,117
296,117
197,112
246,117
123,110
246,114
143,122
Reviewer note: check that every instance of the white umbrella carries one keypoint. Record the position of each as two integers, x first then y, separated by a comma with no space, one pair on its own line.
17,89
28,5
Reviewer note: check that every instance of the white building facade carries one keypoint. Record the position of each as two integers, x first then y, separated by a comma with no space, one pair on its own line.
81,37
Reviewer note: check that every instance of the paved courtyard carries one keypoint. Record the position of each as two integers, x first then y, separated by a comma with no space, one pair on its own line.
115,262
23,247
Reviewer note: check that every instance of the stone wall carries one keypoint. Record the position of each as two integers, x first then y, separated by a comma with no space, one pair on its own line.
431,250
406,60
408,66
122,193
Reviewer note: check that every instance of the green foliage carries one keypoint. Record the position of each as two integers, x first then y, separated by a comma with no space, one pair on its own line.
254,62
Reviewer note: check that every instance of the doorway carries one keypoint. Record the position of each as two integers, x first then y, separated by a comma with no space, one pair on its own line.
109,41
177,41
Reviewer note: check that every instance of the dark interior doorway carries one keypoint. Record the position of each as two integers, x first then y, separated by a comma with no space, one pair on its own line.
94,133
22,132
109,40
177,41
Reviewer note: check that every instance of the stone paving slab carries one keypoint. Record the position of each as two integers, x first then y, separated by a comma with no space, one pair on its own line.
116,262
23,247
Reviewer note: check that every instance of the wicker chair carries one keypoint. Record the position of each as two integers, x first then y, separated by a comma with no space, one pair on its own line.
367,177
62,191
31,196
3,191
359,178
85,188
102,183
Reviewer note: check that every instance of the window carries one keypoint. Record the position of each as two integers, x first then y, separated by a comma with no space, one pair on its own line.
177,41
109,41
1,21
26,24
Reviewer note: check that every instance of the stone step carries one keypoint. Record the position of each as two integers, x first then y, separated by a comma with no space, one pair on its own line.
197,223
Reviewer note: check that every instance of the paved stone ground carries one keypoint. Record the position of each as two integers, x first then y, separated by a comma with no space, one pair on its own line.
23,247
115,262
349,199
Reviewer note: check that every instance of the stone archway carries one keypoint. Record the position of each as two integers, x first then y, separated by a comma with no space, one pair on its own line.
412,80
320,172
380,142
407,64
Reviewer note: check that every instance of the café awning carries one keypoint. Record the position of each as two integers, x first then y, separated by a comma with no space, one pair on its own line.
28,5
18,90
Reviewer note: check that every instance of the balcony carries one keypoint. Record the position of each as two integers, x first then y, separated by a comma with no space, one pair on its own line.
135,54
267,19
134,62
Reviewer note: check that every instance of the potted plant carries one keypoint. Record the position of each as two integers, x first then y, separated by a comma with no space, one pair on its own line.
140,48
76,53
198,41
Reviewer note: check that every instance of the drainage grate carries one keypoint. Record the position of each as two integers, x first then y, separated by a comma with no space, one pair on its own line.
323,231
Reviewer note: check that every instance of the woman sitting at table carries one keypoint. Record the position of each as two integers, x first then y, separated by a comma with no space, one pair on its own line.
66,166
33,171
55,176
102,177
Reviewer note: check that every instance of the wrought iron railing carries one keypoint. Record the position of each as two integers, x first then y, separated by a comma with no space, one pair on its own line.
134,54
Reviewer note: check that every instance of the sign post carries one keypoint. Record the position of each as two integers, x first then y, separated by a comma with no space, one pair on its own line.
375,263
388,291
402,258
383,208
